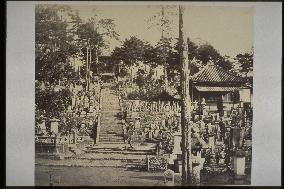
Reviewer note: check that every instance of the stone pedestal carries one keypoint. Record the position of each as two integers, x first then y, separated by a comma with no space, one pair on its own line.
239,163
196,168
178,166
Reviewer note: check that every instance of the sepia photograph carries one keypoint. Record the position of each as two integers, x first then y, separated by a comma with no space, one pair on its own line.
153,95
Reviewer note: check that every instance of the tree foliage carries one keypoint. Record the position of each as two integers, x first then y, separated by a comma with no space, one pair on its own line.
132,50
53,43
60,35
246,62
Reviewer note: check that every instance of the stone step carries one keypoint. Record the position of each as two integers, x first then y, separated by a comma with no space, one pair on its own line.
110,124
113,132
111,140
106,151
111,135
104,135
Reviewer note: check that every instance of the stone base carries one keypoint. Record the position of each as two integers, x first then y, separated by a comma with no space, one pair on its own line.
239,177
59,156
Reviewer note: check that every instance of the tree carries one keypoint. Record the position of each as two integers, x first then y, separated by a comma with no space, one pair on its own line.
203,54
163,23
185,105
91,35
246,62
52,103
192,49
131,51
53,44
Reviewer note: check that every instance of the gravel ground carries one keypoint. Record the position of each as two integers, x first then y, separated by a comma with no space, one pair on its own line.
97,176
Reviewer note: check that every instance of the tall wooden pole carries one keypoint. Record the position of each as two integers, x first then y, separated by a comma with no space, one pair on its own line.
97,57
87,66
185,105
163,47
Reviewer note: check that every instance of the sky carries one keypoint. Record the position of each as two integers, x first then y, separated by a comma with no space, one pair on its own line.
228,29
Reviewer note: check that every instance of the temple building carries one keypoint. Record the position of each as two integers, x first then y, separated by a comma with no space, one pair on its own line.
213,85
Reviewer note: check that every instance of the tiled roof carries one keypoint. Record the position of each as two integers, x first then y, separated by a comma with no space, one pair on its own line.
215,74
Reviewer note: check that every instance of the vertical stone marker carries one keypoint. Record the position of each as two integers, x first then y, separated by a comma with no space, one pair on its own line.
54,125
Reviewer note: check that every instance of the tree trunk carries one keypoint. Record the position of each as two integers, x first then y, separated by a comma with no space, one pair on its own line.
185,105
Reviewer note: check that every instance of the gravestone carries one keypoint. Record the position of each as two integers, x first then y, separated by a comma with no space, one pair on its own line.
69,109
211,143
42,126
137,123
91,109
73,101
54,125
177,147
225,114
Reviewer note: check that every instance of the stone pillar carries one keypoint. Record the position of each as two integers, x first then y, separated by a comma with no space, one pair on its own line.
217,116
235,136
75,137
98,127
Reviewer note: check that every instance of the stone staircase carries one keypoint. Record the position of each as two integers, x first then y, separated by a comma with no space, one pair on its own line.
111,127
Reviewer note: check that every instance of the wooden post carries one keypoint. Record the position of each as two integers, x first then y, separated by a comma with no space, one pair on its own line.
164,52
97,58
87,66
185,105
